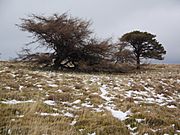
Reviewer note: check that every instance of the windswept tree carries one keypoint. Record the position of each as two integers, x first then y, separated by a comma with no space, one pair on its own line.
96,50
26,55
68,36
144,45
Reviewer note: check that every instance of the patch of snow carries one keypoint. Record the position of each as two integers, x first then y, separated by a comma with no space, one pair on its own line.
139,98
87,98
73,122
76,107
13,75
118,114
47,94
77,101
131,129
100,106
139,120
95,93
178,81
20,116
98,110
81,130
150,100
9,131
53,85
60,91
16,102
55,109
49,82
1,71
50,102
67,103
116,88
87,104
92,133
20,87
136,102
94,79
171,106
104,93
7,87
161,82
68,114
40,89
49,114
129,83
109,104
129,93
132,93
143,82
149,96
79,94
39,86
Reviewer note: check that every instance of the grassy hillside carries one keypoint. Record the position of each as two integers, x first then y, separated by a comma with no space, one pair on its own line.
35,102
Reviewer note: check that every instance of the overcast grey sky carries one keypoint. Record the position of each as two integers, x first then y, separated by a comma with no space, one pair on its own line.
109,17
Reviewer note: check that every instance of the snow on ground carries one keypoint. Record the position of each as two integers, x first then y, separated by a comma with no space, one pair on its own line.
48,114
109,89
171,106
118,114
20,87
87,104
77,101
132,130
95,79
10,102
69,114
149,96
53,85
108,97
50,102
104,93
92,133
73,122
7,87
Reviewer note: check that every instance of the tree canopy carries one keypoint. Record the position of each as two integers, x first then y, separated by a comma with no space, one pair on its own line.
68,36
144,45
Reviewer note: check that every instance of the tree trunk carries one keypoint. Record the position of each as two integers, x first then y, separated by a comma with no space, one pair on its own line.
56,64
138,62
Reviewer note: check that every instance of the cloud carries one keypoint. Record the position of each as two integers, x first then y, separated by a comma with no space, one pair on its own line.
110,18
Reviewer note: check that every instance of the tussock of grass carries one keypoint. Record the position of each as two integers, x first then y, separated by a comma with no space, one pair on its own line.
100,123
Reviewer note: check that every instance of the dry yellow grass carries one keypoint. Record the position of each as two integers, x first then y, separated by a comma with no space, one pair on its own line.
36,102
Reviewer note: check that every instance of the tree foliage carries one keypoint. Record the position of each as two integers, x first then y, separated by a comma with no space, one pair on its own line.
68,36
144,45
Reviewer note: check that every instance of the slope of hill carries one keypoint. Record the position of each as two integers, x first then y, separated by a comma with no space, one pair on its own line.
35,102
